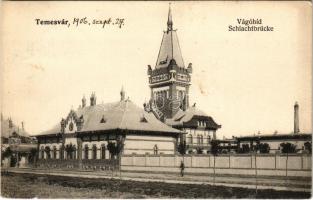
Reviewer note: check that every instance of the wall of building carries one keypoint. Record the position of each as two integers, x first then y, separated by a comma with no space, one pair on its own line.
135,144
51,146
99,145
266,165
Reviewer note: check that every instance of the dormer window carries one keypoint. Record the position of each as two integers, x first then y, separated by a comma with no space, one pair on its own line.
143,119
102,120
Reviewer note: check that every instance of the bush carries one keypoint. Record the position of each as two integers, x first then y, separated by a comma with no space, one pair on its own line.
244,149
6,153
288,148
308,146
199,151
264,148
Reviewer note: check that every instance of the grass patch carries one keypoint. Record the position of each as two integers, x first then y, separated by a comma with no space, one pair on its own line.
47,186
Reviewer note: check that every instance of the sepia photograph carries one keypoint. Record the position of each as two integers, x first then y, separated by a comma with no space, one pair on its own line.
156,99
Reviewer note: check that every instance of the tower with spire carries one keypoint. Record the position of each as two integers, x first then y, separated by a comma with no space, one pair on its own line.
169,81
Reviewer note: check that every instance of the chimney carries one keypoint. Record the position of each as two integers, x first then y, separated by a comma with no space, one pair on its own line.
122,94
93,99
83,101
10,123
22,125
296,118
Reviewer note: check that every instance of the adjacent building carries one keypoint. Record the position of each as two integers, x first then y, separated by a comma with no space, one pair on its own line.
17,146
302,141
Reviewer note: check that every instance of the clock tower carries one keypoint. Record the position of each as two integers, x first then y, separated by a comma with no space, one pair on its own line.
169,80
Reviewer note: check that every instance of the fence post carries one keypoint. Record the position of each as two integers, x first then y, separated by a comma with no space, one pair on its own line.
174,160
256,174
287,165
209,160
301,160
191,160
251,157
214,171
160,160
275,157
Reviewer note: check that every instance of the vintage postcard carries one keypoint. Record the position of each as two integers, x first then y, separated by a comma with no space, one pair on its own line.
158,99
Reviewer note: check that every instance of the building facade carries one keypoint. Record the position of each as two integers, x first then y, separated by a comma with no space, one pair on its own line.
104,131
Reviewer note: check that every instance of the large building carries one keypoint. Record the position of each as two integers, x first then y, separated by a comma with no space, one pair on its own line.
102,131
17,145
169,81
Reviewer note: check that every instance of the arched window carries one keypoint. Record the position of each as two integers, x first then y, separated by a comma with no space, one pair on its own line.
103,151
209,139
190,139
74,152
47,151
94,152
86,151
42,152
54,152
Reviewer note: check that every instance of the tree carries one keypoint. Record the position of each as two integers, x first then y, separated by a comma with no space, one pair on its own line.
244,149
182,148
264,147
288,147
215,147
32,155
6,153
308,146
115,148
112,149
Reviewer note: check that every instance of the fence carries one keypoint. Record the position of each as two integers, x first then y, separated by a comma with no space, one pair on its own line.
91,164
240,164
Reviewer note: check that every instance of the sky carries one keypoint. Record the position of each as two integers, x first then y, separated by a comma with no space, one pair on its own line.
247,81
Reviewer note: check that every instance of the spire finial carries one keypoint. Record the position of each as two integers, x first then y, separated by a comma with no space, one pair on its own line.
169,19
122,94
83,101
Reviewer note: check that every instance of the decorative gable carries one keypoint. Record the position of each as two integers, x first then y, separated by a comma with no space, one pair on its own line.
72,123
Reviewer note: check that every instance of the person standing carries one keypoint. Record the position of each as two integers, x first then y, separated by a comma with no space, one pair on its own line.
182,168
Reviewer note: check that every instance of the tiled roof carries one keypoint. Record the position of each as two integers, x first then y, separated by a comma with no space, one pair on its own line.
276,136
6,131
185,116
123,115
169,50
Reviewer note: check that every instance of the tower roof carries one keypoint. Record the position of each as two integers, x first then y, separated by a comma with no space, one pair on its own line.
170,48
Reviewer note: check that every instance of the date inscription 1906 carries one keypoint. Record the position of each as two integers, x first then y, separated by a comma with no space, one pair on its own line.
76,22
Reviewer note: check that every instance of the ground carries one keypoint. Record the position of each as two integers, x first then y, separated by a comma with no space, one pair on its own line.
48,186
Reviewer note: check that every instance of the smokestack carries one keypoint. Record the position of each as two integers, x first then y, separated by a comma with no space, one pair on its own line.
296,118
22,125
